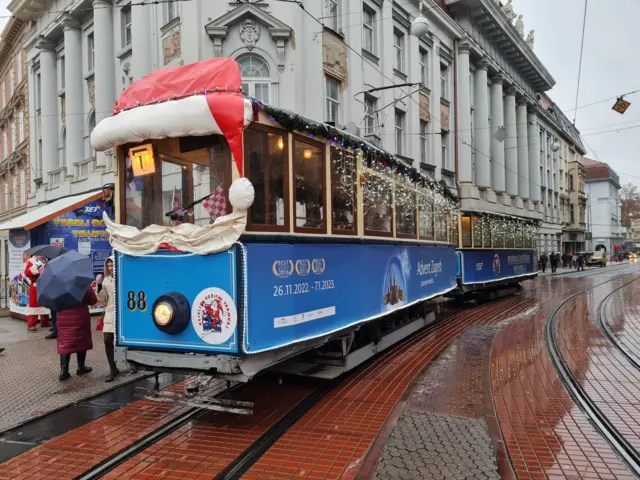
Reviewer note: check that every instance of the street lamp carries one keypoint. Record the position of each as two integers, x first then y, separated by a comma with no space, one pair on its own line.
420,25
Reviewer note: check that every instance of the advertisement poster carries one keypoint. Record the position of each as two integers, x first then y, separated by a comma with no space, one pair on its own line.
482,266
19,242
83,230
297,292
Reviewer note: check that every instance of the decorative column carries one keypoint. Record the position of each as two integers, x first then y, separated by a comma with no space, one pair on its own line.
74,119
497,148
523,150
482,130
48,108
104,69
141,42
511,143
534,154
464,113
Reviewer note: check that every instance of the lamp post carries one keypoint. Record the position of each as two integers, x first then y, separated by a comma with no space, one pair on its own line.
420,25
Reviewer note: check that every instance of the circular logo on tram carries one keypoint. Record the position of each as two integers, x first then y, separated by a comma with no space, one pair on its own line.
214,316
496,264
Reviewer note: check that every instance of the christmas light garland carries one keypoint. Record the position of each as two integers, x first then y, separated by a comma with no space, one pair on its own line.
334,136
504,228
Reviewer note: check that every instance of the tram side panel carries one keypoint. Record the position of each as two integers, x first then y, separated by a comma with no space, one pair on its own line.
300,292
259,297
482,269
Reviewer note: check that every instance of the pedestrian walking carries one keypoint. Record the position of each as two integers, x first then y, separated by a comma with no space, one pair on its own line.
554,262
74,335
543,261
106,295
580,262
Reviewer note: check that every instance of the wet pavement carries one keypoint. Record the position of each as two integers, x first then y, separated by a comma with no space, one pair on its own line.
29,369
504,389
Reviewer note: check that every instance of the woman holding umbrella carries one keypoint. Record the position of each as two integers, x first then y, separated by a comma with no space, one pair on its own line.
65,286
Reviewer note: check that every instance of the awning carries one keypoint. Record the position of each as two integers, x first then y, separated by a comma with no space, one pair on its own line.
49,212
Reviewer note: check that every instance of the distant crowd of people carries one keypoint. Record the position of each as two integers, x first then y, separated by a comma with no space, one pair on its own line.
567,260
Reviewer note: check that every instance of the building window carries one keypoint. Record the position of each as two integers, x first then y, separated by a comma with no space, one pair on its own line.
571,183
5,144
14,134
332,95
23,187
445,151
256,77
125,25
62,73
266,160
399,126
4,95
12,81
444,81
398,45
308,170
21,126
423,62
331,13
423,141
369,30
19,66
91,125
91,46
170,11
371,105
572,213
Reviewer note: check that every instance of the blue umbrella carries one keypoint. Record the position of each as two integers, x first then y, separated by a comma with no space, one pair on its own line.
65,281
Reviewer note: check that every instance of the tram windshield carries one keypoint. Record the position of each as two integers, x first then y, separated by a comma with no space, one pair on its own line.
186,169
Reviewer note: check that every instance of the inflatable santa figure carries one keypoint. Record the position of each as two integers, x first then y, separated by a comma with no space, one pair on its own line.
34,268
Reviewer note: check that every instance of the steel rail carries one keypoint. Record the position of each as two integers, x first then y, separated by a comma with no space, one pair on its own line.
629,455
117,459
606,328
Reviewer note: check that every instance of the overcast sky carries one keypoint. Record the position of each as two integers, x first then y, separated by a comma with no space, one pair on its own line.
610,68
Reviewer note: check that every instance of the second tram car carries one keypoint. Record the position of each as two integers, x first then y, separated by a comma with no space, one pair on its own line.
246,235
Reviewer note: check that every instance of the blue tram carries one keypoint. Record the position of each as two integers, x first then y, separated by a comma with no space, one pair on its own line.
247,235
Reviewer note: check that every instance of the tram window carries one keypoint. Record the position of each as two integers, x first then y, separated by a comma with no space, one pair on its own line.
519,234
441,228
498,237
486,234
266,160
343,191
175,182
477,232
405,212
426,219
466,232
308,172
510,236
378,210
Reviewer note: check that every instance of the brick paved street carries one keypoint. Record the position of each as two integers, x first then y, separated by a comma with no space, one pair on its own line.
29,370
442,432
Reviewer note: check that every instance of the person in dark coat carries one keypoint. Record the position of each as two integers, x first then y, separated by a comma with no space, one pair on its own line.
580,262
74,335
543,261
553,259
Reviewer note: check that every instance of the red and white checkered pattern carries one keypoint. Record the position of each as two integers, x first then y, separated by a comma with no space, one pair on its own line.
216,203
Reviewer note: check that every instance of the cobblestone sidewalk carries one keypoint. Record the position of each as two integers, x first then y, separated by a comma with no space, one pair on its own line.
29,372
442,433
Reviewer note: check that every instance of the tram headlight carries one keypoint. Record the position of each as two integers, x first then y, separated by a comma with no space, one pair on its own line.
163,314
171,312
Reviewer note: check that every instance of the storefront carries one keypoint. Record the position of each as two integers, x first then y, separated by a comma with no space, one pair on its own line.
73,222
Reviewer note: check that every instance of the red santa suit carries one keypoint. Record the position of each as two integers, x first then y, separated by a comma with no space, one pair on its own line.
33,269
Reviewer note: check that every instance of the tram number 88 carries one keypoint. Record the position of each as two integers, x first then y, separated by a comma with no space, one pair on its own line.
137,302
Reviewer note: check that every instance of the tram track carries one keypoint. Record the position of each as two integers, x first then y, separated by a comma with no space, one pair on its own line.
606,328
114,465
625,450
